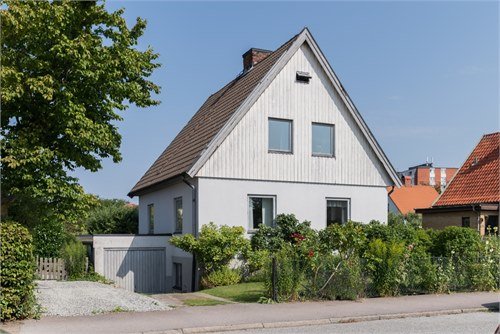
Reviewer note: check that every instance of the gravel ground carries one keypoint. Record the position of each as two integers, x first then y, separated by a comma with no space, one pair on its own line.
87,298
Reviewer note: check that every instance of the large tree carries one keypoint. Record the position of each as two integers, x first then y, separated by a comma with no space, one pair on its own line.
68,69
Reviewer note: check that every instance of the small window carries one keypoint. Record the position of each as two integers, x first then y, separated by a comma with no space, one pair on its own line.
465,221
261,211
177,276
151,218
323,139
337,211
280,135
178,214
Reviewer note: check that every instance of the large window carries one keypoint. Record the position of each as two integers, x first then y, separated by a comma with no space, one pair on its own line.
280,135
260,211
151,218
323,142
178,214
337,211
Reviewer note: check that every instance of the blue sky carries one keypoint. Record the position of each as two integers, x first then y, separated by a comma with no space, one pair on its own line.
423,75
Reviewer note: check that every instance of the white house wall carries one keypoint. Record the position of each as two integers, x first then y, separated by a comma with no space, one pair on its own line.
164,209
225,202
244,153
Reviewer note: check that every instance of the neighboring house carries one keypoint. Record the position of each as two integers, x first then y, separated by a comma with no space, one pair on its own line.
473,195
406,199
282,137
428,175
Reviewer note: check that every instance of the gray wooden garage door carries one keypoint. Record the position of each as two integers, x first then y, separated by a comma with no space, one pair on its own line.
136,269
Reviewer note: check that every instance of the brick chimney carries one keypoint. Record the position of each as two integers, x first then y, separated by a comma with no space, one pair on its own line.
407,181
253,56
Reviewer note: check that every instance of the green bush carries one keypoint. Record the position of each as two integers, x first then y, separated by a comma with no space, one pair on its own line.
254,263
215,247
289,274
385,263
48,238
17,272
74,254
221,277
113,216
456,240
287,228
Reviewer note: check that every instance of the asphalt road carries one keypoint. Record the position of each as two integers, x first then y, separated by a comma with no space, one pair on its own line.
469,323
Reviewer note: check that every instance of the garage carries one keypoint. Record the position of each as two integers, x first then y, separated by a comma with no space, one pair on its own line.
136,269
135,262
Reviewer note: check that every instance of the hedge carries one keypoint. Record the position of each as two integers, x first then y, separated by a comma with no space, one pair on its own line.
17,272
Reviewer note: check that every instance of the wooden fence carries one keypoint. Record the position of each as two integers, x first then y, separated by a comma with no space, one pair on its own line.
53,268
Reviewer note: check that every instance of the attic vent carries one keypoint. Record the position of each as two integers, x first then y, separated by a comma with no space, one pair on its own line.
474,162
303,77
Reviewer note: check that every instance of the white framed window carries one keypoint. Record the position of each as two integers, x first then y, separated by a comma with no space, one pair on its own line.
177,276
323,139
178,214
280,135
151,218
338,210
261,210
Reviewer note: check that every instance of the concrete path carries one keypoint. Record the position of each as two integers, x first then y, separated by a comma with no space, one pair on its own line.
241,316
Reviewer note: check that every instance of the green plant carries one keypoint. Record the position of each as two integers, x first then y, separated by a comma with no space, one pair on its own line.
74,254
384,261
113,216
17,272
456,240
221,277
48,238
215,247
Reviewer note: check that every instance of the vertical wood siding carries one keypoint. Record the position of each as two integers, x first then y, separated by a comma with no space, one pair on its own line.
244,153
139,270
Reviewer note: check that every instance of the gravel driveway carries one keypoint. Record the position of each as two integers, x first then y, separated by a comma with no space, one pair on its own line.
87,298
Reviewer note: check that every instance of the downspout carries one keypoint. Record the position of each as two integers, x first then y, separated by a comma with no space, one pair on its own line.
195,226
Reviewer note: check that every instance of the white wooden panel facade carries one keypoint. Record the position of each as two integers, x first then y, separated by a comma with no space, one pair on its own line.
244,153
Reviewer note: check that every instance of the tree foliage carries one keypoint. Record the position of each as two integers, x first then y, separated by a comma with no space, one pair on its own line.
113,216
68,68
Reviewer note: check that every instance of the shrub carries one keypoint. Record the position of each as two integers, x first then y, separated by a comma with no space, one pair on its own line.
113,216
17,272
74,254
221,277
254,263
289,274
385,264
456,240
215,247
48,238
287,228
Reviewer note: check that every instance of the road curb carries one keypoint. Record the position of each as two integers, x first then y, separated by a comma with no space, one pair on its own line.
315,322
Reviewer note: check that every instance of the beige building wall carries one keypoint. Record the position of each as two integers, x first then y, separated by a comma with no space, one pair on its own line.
440,220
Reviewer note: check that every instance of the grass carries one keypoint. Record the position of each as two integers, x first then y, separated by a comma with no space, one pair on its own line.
240,293
202,302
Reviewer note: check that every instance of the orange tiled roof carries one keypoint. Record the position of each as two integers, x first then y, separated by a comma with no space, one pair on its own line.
478,180
407,199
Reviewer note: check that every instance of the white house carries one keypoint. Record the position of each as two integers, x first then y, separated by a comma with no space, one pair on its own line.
282,137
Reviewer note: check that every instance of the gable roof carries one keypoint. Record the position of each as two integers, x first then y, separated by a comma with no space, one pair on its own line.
220,113
408,198
478,180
